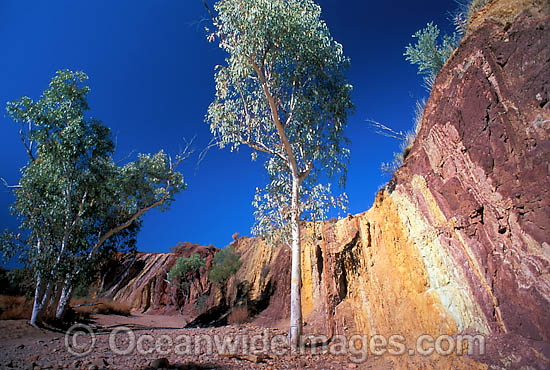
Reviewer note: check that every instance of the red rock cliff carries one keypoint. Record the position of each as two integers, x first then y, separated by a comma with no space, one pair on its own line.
459,240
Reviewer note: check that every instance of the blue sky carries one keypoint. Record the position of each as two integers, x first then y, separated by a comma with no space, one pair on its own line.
151,77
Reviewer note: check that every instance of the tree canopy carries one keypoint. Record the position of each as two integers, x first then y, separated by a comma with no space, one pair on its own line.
283,92
74,201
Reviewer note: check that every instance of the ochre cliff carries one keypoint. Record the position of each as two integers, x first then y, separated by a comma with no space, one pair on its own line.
459,239
140,280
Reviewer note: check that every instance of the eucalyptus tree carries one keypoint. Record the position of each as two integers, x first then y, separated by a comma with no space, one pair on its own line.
282,92
73,200
185,271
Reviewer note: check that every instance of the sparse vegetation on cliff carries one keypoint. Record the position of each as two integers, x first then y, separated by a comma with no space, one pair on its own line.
430,53
465,12
406,140
186,273
225,263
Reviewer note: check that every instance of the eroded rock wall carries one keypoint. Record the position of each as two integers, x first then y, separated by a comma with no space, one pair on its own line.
140,280
459,240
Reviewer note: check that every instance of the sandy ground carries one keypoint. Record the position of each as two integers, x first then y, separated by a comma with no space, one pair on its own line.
157,341
25,347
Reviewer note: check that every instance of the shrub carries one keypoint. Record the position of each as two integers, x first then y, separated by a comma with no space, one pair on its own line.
186,266
225,263
81,290
186,271
428,53
16,282
201,302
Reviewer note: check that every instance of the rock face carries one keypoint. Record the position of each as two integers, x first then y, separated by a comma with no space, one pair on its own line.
459,240
140,280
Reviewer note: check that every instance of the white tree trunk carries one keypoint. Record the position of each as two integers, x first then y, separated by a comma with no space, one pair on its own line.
64,299
41,296
54,295
295,332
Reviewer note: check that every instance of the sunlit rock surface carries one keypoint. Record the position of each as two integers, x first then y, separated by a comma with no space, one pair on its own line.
459,239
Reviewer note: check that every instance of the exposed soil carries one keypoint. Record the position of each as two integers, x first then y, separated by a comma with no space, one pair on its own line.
25,347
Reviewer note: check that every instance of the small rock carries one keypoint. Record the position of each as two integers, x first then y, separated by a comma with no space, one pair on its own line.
93,367
160,363
100,363
32,358
76,364
21,346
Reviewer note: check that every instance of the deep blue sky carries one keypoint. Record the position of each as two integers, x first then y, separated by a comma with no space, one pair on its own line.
151,74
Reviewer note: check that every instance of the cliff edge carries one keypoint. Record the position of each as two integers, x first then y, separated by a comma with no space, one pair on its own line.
459,239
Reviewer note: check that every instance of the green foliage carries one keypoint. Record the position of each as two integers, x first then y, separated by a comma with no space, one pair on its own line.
273,211
282,92
225,263
16,282
81,290
186,268
202,301
75,203
428,53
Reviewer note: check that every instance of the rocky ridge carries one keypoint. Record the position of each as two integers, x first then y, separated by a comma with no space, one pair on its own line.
459,239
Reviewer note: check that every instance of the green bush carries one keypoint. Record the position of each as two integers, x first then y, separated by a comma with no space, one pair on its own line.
202,302
186,266
224,264
16,282
428,53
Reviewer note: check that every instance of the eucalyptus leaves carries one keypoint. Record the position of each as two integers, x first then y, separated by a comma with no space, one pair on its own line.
75,203
283,92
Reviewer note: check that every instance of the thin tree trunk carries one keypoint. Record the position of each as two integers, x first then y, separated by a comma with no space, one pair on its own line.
54,296
295,332
37,307
64,299
41,296
47,297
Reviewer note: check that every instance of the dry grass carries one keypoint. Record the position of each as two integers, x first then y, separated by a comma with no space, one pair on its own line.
238,315
14,308
18,307
92,306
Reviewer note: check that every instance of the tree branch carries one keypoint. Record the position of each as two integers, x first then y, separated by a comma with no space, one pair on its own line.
18,186
127,224
275,115
304,174
384,130
103,238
